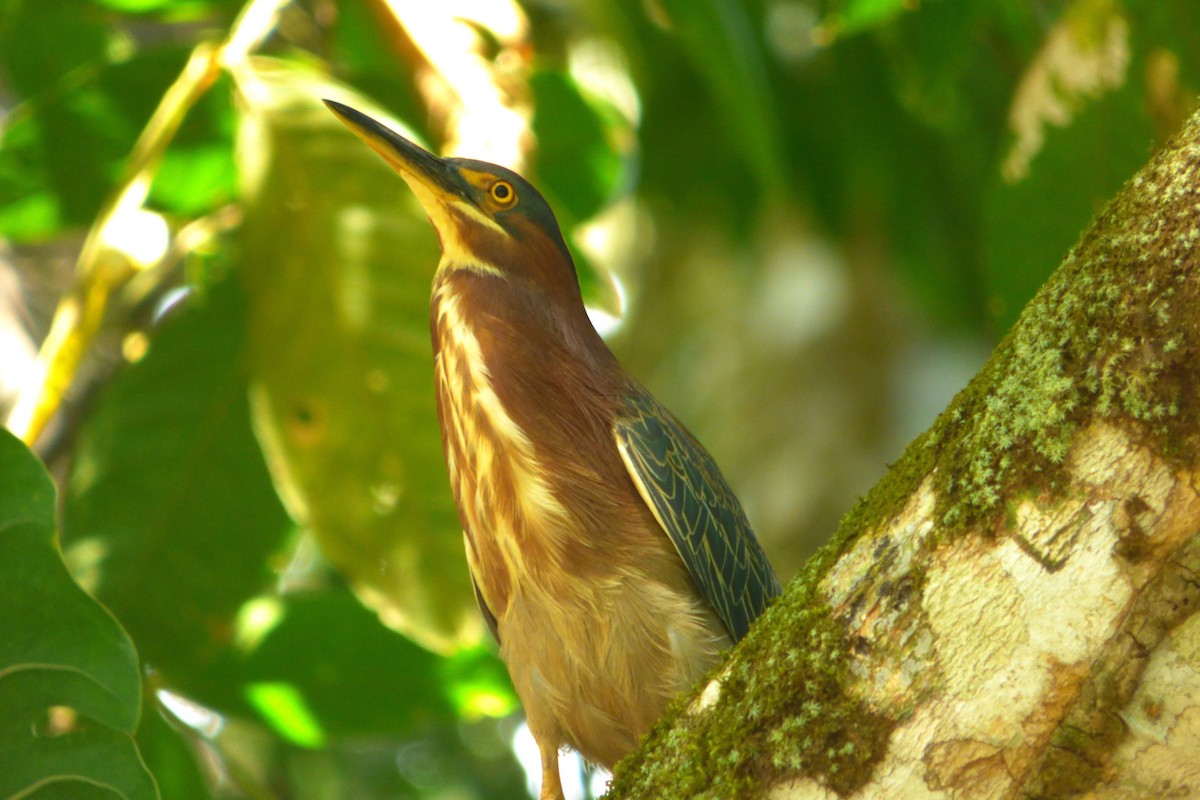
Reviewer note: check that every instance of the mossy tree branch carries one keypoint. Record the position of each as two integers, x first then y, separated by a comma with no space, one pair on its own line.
1014,611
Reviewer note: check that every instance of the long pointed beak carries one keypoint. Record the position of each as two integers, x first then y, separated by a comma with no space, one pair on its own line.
420,169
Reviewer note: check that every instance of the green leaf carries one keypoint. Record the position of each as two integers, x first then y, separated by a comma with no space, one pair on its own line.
725,49
209,11
284,709
856,16
138,6
360,40
42,43
194,179
197,172
28,206
99,763
27,493
576,158
478,684
30,218
84,138
74,141
170,513
366,54
327,668
338,258
579,166
1080,167
171,754
60,649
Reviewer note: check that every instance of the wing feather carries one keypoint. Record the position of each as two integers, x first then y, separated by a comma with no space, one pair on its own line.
689,497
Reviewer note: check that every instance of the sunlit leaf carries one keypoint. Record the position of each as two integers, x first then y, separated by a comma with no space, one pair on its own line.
29,218
28,206
170,513
194,179
338,259
855,16
327,668
59,649
282,705
197,172
478,684
137,6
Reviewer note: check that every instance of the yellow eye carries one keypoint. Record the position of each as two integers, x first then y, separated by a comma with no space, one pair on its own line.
502,193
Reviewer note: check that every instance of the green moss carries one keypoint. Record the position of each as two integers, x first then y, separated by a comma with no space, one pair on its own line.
1112,335
887,497
783,710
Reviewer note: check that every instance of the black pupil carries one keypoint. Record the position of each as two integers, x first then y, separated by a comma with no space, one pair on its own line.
500,191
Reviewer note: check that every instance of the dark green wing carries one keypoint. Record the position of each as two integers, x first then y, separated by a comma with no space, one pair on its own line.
695,506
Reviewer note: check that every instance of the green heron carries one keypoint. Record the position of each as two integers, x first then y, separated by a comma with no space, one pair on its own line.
610,558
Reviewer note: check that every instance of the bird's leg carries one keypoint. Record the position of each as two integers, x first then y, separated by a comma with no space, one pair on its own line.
551,782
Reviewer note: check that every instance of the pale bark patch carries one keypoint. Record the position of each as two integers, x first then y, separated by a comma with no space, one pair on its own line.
1163,724
1068,614
871,589
801,787
992,654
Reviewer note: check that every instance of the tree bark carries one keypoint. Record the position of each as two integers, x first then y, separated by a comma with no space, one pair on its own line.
1014,611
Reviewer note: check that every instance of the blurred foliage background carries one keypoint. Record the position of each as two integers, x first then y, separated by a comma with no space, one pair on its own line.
802,223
